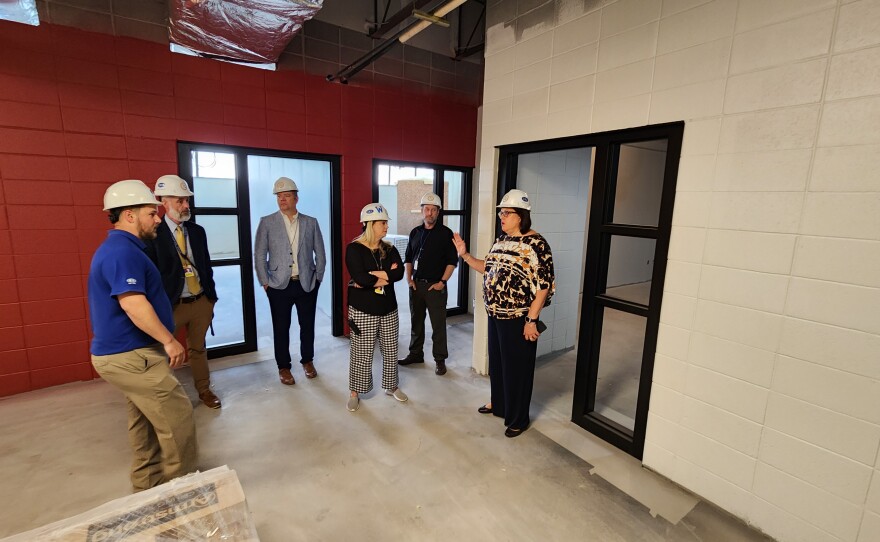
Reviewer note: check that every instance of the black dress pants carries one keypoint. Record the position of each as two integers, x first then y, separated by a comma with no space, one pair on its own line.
511,371
434,301
281,303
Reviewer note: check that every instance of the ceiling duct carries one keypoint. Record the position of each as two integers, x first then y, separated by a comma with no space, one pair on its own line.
254,31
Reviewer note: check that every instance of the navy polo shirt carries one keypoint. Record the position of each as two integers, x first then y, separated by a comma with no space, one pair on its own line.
119,266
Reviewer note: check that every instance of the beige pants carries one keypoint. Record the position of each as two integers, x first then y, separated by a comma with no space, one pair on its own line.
196,317
161,430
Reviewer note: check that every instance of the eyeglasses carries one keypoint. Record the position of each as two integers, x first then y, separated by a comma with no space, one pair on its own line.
505,214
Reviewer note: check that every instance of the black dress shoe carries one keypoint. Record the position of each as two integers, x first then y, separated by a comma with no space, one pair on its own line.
441,367
510,432
410,361
485,410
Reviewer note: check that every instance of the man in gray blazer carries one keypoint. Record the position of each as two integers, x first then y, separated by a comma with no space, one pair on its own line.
289,260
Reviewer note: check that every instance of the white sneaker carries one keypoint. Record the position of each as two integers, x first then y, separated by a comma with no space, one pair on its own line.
353,403
397,394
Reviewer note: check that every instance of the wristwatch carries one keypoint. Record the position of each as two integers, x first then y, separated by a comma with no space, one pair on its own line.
443,281
530,320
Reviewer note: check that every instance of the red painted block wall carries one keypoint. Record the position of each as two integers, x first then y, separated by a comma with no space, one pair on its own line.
79,111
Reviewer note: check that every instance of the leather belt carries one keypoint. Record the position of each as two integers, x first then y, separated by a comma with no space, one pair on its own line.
191,299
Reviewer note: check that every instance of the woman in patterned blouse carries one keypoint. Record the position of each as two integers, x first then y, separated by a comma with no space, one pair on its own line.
518,281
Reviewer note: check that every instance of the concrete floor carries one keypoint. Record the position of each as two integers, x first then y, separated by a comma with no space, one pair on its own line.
429,469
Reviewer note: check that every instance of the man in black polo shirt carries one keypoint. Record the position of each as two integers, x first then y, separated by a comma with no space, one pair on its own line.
430,260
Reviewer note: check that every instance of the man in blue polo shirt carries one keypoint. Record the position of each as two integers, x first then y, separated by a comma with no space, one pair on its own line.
133,347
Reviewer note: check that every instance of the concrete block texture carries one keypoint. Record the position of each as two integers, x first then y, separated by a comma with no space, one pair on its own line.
766,366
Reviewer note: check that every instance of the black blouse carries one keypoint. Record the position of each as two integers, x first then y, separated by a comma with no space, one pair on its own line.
360,260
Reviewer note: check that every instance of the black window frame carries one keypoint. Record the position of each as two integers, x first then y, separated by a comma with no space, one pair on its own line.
600,231
464,213
246,254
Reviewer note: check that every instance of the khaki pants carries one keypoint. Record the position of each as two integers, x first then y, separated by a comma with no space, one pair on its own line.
197,318
161,429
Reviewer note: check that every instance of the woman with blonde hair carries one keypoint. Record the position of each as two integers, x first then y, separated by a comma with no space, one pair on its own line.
374,266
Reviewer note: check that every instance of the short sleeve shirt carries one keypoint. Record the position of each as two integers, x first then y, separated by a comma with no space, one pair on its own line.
121,266
517,268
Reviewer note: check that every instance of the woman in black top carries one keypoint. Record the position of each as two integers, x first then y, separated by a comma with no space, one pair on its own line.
518,281
374,266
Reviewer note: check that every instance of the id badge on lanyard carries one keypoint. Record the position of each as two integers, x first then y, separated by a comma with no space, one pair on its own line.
188,270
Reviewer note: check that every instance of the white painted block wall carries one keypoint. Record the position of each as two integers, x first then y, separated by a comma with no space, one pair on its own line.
766,395
558,185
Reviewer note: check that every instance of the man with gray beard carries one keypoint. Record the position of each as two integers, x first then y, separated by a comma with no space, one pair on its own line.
180,251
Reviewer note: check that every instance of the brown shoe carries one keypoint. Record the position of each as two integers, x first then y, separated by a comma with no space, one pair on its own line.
286,377
210,400
310,370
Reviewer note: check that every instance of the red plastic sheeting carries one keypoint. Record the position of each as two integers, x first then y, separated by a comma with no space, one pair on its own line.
242,30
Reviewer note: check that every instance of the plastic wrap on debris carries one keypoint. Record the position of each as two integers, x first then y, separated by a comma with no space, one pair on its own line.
242,30
202,506
20,11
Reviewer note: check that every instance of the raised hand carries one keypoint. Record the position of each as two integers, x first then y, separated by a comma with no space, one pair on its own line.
460,245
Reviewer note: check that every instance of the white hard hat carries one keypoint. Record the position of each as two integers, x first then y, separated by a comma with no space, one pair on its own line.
284,184
172,185
431,199
374,212
130,193
516,199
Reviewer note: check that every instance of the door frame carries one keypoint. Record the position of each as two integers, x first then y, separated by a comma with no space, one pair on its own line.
465,213
246,259
598,234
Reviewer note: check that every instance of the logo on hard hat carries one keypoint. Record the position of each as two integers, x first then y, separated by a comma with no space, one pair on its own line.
161,185
183,185
525,198
369,211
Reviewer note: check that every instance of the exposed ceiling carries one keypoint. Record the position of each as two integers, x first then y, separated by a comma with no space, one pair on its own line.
378,19
348,38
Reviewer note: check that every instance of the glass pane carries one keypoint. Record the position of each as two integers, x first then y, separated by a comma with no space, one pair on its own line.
391,174
213,192
454,224
620,365
453,188
217,165
384,175
222,231
228,312
640,183
402,197
313,178
630,268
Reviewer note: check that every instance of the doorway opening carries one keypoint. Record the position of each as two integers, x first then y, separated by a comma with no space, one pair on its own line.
604,202
400,186
232,189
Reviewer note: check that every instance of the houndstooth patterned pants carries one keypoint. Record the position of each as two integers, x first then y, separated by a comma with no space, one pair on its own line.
360,369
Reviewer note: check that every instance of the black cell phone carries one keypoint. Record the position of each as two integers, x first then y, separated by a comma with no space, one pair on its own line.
354,327
542,327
